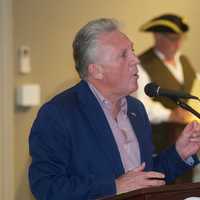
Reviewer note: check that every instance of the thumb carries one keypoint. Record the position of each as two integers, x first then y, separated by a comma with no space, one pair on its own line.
140,168
188,128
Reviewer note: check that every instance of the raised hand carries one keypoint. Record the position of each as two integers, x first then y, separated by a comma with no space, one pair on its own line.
188,142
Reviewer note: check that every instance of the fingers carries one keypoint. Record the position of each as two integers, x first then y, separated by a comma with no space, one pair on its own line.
193,127
155,182
196,126
151,178
188,128
140,168
137,179
148,175
195,135
155,175
189,141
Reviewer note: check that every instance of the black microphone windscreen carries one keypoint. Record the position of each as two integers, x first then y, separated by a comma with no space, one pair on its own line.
151,89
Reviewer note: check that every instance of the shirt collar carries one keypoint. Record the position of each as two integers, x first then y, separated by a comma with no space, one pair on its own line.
106,103
162,56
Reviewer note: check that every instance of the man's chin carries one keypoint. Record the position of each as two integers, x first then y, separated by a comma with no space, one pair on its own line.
133,89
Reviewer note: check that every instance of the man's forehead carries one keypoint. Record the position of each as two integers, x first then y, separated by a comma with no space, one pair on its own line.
173,36
114,37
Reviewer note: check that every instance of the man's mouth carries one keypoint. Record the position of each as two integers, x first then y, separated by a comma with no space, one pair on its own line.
136,75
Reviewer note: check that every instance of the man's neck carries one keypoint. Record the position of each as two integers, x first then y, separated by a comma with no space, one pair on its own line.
113,99
167,56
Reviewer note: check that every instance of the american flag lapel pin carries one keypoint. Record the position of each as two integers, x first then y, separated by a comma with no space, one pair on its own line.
133,114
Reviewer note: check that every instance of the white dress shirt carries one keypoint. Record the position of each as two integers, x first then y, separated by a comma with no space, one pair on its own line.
122,131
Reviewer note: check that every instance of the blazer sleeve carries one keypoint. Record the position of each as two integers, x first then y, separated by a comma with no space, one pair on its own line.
51,175
170,163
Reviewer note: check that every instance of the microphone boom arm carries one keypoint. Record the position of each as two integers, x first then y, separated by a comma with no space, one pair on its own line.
186,107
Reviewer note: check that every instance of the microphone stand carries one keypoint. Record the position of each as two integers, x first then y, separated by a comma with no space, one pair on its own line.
186,106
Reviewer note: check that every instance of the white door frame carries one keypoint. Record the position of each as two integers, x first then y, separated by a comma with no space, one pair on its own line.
6,102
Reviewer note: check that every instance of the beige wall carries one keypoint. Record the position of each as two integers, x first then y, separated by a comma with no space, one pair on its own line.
48,28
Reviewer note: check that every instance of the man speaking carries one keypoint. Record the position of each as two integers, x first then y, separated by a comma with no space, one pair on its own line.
94,140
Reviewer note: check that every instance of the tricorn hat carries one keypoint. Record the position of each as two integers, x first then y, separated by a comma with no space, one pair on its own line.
167,23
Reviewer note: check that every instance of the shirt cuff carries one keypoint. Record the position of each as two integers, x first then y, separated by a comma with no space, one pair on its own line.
189,161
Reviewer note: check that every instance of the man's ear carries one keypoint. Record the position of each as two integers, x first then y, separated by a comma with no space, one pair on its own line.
95,71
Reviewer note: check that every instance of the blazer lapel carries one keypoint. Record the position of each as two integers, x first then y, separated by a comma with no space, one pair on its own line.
101,129
136,124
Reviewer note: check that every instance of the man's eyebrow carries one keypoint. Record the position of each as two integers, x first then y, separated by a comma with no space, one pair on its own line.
123,51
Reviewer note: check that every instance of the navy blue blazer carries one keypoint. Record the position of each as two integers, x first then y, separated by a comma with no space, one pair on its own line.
74,154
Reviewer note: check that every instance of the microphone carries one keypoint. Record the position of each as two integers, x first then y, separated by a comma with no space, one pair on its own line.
153,90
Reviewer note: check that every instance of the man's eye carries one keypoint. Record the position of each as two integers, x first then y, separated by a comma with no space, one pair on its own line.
124,54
